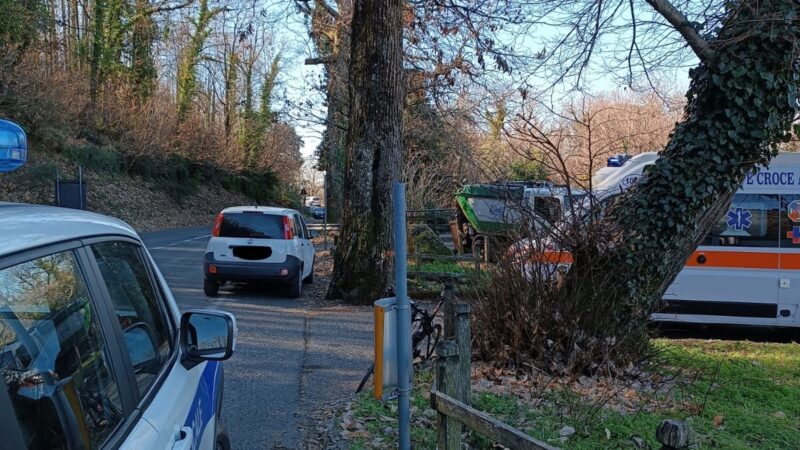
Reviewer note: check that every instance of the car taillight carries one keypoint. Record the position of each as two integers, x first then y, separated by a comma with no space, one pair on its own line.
288,228
217,225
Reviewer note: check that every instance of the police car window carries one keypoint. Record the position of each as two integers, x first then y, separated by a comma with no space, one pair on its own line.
53,356
751,221
139,309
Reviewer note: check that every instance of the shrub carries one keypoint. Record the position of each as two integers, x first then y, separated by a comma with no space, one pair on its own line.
261,187
39,174
95,158
529,312
423,240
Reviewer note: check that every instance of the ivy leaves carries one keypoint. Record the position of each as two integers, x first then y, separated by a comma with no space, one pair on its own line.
736,114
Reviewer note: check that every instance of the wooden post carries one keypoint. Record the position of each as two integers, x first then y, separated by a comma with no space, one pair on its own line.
457,327
463,337
445,369
447,309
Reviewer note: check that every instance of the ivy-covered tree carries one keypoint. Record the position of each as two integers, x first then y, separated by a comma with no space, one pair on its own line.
143,37
330,32
20,22
191,56
231,74
266,115
741,103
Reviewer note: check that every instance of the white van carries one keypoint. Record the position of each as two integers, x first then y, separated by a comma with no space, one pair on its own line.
747,269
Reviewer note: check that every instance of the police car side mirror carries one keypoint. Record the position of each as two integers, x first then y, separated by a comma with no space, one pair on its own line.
206,335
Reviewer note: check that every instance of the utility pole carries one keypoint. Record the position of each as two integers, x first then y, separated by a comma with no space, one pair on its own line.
403,319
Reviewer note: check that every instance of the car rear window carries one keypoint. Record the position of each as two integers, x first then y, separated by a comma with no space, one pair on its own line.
251,225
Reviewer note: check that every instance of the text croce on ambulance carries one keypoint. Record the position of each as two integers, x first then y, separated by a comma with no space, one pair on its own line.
747,269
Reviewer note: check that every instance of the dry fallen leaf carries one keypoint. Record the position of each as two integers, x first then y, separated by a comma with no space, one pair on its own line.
356,434
719,419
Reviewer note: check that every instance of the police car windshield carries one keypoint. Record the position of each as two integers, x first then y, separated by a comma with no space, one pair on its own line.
251,225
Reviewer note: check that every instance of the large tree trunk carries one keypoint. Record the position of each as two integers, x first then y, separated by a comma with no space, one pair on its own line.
741,102
363,259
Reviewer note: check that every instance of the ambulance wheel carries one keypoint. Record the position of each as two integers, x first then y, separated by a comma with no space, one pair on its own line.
210,287
223,441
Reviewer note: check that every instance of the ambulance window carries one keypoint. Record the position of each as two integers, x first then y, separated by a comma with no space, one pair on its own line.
790,221
547,207
54,360
751,221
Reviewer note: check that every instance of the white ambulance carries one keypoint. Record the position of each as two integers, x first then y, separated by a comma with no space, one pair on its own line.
747,269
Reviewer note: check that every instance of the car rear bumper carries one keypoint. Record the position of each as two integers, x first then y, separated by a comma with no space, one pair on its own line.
250,271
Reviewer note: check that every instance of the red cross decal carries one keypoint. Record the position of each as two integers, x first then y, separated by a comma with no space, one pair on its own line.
794,235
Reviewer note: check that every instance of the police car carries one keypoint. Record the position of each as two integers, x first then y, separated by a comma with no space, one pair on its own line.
93,350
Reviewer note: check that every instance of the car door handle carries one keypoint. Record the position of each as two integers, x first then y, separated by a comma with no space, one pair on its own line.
186,439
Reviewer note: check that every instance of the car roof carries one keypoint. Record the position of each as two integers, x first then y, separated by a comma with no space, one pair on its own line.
262,209
29,226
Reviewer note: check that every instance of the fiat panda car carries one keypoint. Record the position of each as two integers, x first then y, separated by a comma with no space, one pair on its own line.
256,243
94,352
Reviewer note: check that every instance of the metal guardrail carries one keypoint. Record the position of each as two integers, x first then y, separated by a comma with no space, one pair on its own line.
323,227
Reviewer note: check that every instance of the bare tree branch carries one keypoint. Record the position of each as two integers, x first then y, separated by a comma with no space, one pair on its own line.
324,5
684,27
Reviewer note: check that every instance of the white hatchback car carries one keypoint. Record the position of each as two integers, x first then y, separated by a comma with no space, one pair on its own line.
257,243
94,352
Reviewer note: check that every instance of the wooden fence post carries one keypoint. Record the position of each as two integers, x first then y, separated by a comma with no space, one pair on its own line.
445,369
463,337
457,327
448,314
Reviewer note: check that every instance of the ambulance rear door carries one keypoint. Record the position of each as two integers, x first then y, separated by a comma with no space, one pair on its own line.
789,291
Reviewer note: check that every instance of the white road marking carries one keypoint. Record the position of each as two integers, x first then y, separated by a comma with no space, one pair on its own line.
182,242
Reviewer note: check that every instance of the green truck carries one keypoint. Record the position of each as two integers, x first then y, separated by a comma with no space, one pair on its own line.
489,217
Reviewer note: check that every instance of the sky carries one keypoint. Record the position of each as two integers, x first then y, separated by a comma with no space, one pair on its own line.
302,103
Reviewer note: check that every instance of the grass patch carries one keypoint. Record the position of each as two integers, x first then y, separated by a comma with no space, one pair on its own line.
441,266
754,387
376,416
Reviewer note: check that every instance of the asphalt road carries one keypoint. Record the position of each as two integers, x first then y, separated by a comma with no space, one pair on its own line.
291,357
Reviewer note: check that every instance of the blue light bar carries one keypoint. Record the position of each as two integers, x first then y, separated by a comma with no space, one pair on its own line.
13,146
618,160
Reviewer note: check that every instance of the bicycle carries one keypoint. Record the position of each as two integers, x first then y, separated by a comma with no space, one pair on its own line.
423,331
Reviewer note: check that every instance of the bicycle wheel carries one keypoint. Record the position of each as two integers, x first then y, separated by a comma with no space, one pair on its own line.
426,345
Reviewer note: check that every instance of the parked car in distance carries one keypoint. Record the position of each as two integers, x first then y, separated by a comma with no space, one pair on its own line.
256,243
318,212
94,352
